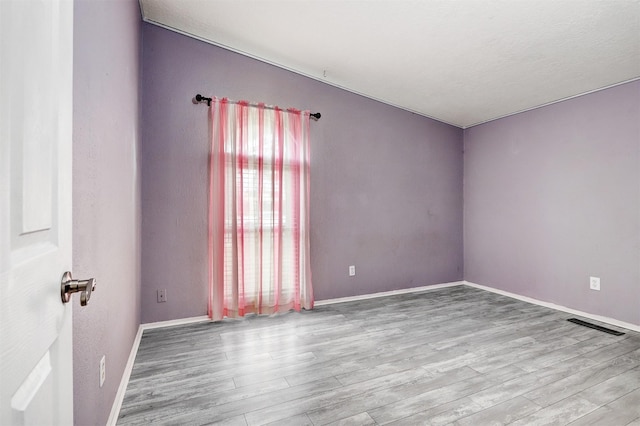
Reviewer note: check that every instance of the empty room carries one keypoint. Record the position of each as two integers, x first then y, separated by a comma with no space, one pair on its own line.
307,212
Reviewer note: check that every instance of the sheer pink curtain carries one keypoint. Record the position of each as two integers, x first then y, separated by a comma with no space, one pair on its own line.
258,210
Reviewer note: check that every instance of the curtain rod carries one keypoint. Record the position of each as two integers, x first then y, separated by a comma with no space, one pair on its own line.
199,99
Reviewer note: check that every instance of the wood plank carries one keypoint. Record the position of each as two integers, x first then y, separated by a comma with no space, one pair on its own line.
456,355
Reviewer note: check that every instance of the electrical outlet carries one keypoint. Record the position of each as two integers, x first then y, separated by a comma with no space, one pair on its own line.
594,283
103,374
352,271
162,296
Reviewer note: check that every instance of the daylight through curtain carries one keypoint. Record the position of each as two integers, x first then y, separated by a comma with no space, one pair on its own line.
258,210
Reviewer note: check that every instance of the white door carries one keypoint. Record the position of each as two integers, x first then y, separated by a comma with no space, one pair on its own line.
36,375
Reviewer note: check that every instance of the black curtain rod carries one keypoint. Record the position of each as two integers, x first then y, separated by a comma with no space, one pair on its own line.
199,98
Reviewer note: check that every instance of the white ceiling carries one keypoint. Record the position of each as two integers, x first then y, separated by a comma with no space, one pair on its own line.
462,62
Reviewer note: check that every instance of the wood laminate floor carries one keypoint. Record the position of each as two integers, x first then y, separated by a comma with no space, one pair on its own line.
456,355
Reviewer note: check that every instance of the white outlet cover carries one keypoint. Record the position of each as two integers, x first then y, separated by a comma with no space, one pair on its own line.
103,373
352,271
594,283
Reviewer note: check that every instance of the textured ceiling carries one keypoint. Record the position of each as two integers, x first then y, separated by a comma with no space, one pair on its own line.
462,62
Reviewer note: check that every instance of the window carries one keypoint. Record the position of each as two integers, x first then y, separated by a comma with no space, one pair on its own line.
259,243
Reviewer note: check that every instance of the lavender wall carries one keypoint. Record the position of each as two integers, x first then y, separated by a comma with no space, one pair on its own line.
386,186
552,196
106,198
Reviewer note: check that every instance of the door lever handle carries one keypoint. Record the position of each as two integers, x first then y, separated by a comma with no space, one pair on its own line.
68,286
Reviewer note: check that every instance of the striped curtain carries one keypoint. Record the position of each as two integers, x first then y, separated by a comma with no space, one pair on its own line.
258,210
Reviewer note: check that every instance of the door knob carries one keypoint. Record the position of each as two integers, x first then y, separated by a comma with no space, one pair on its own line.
68,286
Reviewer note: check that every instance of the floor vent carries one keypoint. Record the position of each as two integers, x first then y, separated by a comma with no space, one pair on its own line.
595,327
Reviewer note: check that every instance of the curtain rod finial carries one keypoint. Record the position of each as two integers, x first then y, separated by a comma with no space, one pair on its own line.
199,98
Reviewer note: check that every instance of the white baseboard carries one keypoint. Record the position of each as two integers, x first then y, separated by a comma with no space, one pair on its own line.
606,320
124,382
117,403
386,293
181,321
